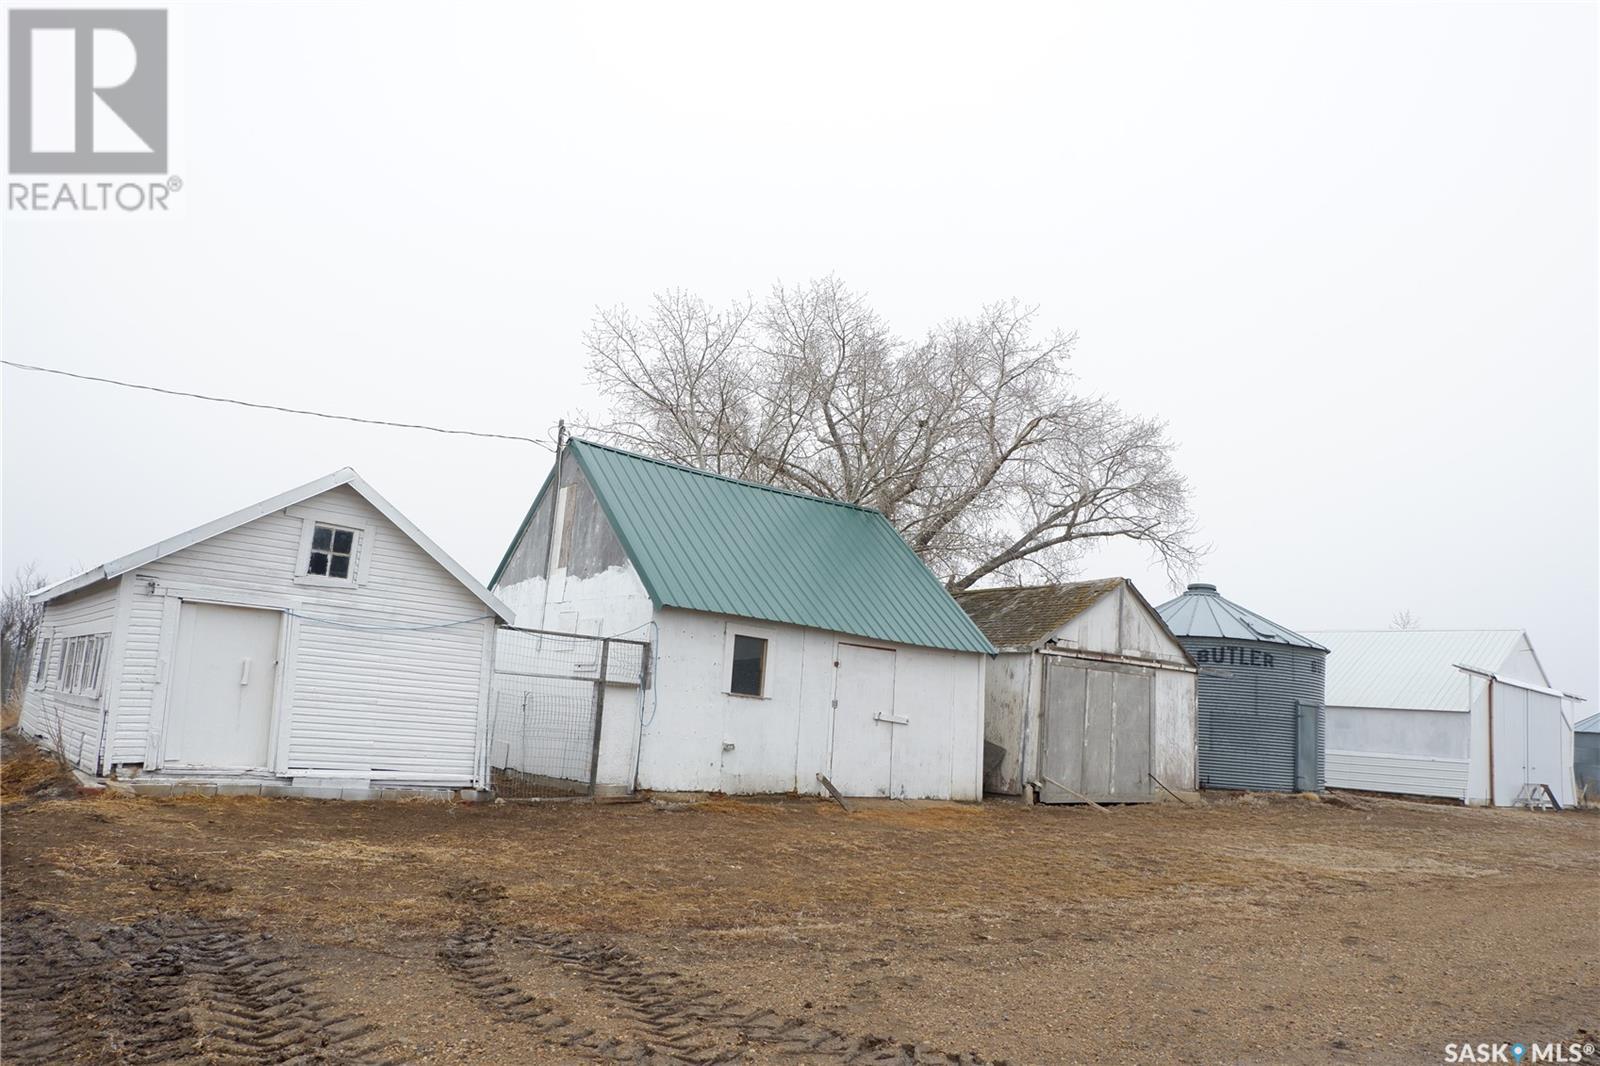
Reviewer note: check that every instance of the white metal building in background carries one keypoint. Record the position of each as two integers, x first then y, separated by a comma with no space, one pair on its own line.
316,640
1090,697
792,635
1465,714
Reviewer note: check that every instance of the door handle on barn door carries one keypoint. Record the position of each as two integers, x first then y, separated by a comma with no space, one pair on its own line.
244,672
891,719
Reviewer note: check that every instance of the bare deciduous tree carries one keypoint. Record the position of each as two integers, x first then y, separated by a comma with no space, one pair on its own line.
1404,619
972,440
19,625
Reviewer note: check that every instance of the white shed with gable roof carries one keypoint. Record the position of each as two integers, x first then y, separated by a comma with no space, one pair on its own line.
316,639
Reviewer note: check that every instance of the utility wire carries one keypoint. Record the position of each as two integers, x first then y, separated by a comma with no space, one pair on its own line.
274,407
389,629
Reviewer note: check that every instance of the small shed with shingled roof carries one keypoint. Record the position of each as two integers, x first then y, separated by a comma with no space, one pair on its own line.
1091,697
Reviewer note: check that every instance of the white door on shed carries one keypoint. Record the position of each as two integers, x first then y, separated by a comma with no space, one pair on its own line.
863,721
219,713
1510,742
1548,764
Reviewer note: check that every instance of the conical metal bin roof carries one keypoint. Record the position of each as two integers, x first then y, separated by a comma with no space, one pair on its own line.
1202,612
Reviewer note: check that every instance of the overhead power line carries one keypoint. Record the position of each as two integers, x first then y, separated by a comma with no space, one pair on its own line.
275,407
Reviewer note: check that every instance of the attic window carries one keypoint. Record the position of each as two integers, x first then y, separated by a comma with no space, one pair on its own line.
332,552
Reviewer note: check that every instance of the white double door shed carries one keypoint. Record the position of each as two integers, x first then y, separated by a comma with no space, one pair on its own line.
876,719
317,638
856,713
791,638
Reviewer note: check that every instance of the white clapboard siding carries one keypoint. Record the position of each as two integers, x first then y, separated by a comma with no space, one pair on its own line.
46,710
1410,775
422,721
141,645
369,692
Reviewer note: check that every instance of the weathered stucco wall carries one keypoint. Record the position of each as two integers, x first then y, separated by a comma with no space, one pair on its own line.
697,736
587,585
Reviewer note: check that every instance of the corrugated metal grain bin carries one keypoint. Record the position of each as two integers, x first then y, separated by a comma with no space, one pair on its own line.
1586,755
1261,721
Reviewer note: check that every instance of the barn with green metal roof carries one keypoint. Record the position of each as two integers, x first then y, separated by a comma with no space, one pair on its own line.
792,637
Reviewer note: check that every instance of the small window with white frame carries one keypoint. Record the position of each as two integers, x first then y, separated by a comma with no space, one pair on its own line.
97,659
41,670
332,553
63,663
748,676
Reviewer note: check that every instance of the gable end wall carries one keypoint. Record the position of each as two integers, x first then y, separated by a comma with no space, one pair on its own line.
366,693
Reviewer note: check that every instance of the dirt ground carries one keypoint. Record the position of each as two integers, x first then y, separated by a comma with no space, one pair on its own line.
1245,929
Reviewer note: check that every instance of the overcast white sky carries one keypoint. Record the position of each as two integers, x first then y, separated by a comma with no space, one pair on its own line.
1349,251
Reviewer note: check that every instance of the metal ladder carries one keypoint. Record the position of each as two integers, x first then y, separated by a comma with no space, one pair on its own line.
1528,796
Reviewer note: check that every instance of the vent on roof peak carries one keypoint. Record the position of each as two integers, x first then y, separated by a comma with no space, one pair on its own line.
1201,589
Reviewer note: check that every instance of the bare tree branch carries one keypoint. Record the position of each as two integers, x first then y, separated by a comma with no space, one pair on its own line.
971,441
20,619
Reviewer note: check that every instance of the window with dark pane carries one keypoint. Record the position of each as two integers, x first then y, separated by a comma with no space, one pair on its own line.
749,666
331,551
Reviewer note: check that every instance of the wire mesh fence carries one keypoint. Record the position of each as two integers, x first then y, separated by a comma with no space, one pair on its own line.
547,701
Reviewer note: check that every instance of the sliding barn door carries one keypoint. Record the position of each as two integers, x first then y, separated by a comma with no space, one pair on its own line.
1095,732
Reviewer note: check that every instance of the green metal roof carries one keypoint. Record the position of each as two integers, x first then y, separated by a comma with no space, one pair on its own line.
704,542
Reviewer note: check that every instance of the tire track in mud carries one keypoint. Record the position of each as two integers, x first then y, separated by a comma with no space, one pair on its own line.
168,989
472,960
681,1012
676,1020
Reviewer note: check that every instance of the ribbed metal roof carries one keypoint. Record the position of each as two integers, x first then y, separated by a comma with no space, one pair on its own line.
1413,669
704,542
1590,724
1200,612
